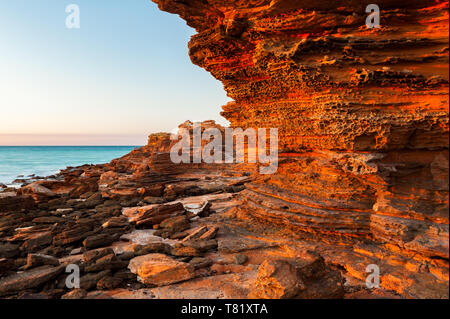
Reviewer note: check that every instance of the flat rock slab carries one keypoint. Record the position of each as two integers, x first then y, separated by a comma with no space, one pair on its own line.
145,237
229,286
218,201
29,279
7,194
235,245
160,270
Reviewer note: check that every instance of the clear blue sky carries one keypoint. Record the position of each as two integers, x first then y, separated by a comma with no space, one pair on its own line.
125,73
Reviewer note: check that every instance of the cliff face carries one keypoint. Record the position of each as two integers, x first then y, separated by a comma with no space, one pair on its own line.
362,113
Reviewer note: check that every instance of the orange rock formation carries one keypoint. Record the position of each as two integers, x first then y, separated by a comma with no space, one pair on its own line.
362,178
362,117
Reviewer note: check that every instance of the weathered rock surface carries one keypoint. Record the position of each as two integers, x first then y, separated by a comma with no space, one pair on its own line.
160,270
277,279
35,260
28,279
362,116
362,174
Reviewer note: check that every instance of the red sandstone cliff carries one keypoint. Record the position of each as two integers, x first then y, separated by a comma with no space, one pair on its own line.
362,117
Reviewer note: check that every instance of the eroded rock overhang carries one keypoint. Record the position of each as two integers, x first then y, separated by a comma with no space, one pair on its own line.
362,113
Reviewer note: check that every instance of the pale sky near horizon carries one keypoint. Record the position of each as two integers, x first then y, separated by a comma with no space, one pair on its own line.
124,74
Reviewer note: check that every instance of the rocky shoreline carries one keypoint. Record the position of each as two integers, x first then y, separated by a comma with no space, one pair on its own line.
361,182
137,228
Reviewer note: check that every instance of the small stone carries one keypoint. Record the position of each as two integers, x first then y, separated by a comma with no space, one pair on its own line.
151,248
127,255
240,259
210,234
99,240
125,275
103,263
202,245
63,211
184,251
196,233
199,262
92,255
89,281
120,221
179,235
109,283
48,220
154,200
35,260
76,251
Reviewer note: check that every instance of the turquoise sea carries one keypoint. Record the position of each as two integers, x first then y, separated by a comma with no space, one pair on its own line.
48,160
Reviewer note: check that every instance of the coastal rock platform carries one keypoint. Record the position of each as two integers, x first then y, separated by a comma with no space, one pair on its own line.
362,180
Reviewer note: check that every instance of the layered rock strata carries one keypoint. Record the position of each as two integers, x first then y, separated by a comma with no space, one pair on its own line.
362,114
137,228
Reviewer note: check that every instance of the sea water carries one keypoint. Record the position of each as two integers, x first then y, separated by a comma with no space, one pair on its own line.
18,161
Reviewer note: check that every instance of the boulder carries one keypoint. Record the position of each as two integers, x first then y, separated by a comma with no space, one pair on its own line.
36,191
160,270
37,241
175,224
277,279
156,214
72,235
29,279
99,240
108,177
